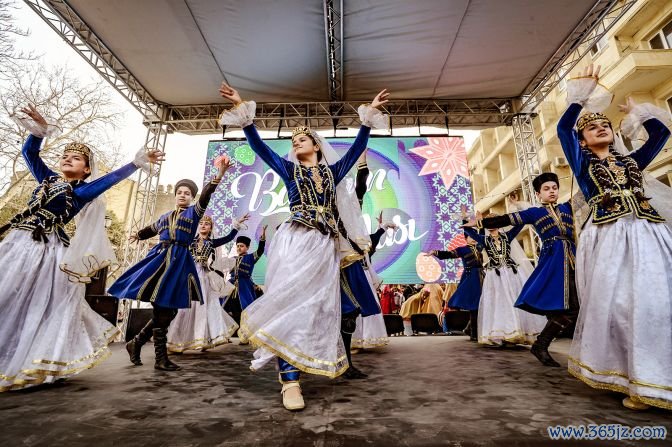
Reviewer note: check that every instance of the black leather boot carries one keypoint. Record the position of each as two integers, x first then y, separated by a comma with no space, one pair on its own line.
473,326
544,339
162,362
348,325
134,346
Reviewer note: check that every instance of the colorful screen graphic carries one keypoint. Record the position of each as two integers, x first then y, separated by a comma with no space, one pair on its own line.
420,184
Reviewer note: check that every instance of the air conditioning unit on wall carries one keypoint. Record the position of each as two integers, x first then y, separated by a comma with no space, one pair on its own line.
560,162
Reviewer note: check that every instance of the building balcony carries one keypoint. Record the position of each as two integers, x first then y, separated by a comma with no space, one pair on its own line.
637,71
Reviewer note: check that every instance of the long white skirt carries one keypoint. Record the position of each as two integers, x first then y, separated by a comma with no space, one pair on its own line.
623,337
370,332
498,320
201,326
299,316
47,329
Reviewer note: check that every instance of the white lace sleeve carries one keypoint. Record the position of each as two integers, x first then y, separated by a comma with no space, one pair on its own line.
52,129
593,96
632,125
241,115
373,117
238,225
142,161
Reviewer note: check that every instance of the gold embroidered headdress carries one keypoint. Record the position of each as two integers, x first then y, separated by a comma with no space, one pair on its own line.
302,130
588,118
78,148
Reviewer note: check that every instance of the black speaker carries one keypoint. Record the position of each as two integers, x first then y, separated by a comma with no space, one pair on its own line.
97,284
106,306
137,319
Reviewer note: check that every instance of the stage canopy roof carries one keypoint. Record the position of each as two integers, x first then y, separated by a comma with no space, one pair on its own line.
457,55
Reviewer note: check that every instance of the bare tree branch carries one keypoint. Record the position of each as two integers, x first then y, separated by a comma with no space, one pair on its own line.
85,111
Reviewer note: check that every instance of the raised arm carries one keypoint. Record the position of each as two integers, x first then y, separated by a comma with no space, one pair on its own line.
474,234
31,154
445,254
242,114
278,164
88,191
149,231
375,238
650,117
85,192
260,249
513,232
517,218
209,189
569,140
370,117
362,175
343,166
218,242
262,244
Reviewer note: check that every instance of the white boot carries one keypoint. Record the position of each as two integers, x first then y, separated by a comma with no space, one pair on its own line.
295,400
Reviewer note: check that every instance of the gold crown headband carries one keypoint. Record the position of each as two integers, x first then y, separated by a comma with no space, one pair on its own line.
588,118
78,148
302,130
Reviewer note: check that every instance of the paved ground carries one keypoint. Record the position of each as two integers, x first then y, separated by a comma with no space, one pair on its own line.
422,391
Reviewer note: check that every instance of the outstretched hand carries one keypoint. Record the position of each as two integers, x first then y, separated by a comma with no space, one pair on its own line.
471,223
244,218
224,165
230,93
133,238
628,106
32,112
591,72
380,99
155,156
263,231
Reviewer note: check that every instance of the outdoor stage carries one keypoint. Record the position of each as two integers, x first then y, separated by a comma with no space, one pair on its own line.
422,391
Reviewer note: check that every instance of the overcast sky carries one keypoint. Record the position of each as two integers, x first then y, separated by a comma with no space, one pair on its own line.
185,155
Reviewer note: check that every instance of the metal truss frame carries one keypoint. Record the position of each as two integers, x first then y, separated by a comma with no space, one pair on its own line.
465,113
60,16
333,33
595,25
527,153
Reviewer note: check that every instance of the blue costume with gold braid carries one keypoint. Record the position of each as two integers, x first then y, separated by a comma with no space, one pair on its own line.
551,286
167,276
468,293
311,192
241,277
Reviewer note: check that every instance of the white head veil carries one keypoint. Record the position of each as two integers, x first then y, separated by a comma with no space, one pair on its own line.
349,210
632,127
90,249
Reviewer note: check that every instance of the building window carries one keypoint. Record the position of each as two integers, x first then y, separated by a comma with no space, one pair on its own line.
540,142
598,47
662,40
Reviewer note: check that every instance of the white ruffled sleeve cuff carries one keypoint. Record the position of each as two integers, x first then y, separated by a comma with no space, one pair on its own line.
373,118
51,129
593,96
142,162
242,115
238,225
632,125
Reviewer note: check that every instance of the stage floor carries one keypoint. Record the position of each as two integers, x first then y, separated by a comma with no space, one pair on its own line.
422,391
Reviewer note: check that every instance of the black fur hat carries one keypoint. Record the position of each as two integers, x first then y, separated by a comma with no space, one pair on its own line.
189,184
543,178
